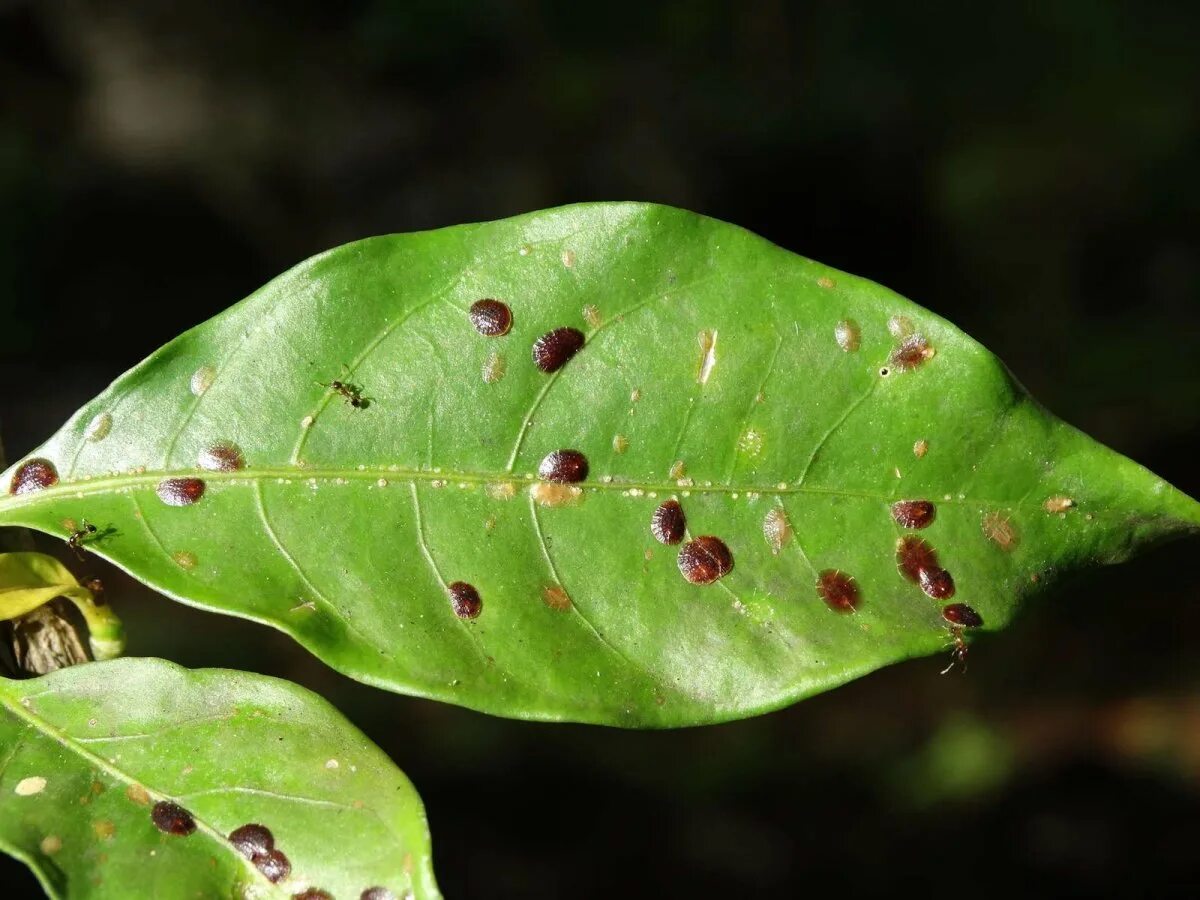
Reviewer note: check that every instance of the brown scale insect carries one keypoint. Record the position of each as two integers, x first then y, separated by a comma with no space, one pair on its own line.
75,541
274,865
465,600
491,318
913,513
668,523
705,559
564,467
911,352
222,456
33,475
171,818
937,583
313,893
553,350
913,555
252,840
180,491
839,590
348,390
377,893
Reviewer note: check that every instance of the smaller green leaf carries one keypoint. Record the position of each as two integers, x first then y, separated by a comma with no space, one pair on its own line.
126,778
30,580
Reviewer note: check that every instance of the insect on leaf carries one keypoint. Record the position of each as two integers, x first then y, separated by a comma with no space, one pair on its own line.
128,778
857,481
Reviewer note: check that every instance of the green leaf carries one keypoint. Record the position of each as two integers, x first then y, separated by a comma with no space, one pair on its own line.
761,389
90,755
29,580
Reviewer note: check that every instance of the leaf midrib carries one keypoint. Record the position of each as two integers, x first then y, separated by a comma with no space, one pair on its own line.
291,475
71,745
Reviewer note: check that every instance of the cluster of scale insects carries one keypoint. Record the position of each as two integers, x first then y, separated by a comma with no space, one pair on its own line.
702,560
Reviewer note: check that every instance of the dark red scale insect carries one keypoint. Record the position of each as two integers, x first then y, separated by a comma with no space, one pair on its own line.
961,616
180,491
705,559
913,513
465,600
937,583
171,818
913,556
221,457
33,475
839,590
491,318
668,524
912,352
252,840
564,467
553,350
274,865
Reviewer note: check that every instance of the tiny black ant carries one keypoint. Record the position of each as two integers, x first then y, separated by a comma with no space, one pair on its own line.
958,656
85,530
350,392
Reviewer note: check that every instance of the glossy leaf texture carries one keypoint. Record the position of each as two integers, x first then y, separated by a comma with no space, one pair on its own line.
127,778
363,456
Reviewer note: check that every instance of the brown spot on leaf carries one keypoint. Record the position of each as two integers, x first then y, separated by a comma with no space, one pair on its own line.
1058,504
668,523
552,350
564,467
180,491
937,583
913,556
222,456
465,600
705,559
491,318
252,840
171,818
33,475
900,326
911,352
184,559
962,616
999,529
494,367
547,493
556,597
839,590
777,530
913,513
847,334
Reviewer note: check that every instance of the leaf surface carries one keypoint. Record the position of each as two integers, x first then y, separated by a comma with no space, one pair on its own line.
785,405
88,754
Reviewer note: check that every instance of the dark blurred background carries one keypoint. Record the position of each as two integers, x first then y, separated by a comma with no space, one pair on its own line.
1029,171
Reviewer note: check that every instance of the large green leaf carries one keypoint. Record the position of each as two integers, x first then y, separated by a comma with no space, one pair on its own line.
785,404
91,756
